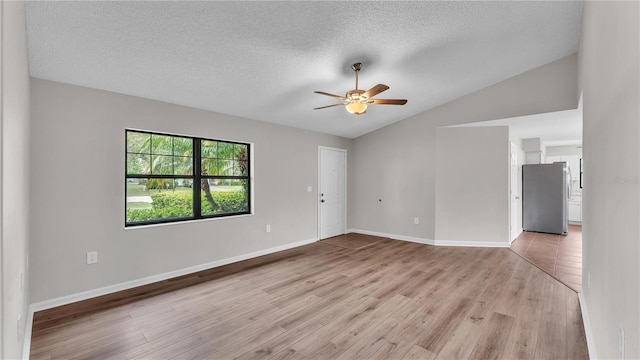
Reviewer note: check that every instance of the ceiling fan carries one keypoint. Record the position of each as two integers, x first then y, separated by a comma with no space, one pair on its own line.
356,101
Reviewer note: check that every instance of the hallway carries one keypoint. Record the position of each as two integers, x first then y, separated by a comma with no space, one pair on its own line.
559,256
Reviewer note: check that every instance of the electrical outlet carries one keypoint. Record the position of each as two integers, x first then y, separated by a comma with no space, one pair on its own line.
309,189
92,257
621,341
268,228
416,220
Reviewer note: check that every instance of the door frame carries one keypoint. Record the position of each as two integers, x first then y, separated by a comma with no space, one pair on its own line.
319,188
513,153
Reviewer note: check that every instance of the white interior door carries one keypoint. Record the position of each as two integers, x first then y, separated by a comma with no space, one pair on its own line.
513,192
332,192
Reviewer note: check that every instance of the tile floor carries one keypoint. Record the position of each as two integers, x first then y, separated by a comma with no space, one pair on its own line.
559,256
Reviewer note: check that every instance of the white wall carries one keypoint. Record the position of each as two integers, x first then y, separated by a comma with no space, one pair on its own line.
472,179
609,77
78,190
397,163
15,179
564,150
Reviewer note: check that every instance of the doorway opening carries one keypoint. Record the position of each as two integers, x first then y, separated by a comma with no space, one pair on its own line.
558,255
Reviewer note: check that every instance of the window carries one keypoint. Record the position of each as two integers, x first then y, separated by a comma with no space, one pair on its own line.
162,170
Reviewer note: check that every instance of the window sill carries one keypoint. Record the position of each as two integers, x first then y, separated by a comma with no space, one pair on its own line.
184,222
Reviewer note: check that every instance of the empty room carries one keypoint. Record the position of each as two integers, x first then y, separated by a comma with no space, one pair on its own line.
320,180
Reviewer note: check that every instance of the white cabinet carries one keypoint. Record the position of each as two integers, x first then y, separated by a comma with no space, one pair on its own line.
575,210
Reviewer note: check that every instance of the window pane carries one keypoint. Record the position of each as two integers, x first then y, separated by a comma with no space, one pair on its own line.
162,165
209,149
235,169
155,199
182,146
183,165
225,167
240,152
209,166
241,168
161,144
225,196
225,150
138,142
138,164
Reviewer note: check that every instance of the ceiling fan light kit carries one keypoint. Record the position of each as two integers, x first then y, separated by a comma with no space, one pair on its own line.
357,101
356,107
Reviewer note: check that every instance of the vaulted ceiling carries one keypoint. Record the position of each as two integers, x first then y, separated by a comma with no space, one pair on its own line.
263,60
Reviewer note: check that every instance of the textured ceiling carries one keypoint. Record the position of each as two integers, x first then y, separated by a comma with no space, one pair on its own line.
263,60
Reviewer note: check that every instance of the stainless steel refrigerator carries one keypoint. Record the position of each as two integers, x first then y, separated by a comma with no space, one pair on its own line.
545,194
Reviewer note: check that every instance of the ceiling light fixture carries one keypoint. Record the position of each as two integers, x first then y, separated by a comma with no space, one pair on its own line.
356,107
357,101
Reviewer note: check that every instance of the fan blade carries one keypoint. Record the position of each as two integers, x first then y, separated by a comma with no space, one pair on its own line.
387,101
332,95
328,106
375,91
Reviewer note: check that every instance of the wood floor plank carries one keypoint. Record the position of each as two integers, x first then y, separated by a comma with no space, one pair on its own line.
419,353
316,328
376,299
376,344
493,342
327,350
437,334
524,334
576,337
461,341
552,341
509,302
308,344
353,241
555,309
347,337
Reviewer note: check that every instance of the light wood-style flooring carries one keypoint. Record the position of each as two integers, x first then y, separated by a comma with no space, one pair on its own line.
558,255
349,297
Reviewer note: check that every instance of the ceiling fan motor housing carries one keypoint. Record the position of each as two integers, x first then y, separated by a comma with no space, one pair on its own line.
356,95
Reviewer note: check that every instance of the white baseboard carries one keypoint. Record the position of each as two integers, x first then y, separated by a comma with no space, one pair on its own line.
68,299
431,242
588,330
393,236
471,243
